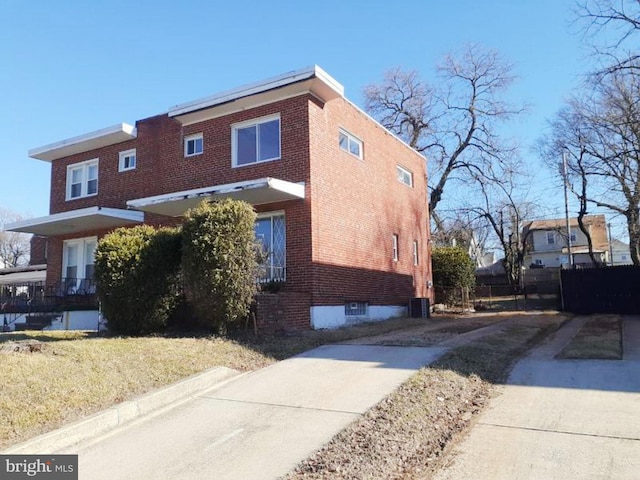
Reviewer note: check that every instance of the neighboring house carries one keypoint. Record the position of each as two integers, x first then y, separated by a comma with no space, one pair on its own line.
621,255
547,241
468,240
341,202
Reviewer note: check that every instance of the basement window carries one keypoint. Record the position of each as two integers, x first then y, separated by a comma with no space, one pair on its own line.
356,309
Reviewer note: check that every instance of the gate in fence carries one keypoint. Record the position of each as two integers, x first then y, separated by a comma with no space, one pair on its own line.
601,290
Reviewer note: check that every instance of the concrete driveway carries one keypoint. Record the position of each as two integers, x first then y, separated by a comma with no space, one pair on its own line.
559,419
258,426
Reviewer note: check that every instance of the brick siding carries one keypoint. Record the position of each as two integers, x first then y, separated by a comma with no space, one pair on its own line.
338,237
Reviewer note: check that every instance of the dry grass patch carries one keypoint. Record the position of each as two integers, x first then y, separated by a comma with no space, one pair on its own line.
70,375
75,375
405,435
599,339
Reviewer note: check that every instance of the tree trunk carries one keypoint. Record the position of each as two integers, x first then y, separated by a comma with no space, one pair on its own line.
633,217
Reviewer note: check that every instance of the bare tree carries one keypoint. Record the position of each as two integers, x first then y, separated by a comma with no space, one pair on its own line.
610,26
600,133
453,123
502,205
14,246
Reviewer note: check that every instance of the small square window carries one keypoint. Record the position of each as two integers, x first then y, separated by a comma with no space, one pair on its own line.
574,235
404,176
355,309
350,144
127,160
193,145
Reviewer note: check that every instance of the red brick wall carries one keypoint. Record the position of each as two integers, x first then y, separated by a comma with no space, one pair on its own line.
338,237
357,205
38,250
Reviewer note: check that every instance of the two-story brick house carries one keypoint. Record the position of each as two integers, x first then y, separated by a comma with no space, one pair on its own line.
341,202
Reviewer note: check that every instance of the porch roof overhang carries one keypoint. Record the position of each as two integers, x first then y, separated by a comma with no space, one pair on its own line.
255,192
23,277
89,141
76,221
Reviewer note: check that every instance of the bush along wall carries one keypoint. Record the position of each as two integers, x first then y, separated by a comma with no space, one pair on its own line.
138,278
453,270
220,261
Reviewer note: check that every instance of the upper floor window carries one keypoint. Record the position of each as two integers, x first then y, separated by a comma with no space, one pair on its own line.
350,144
574,235
127,160
256,141
404,176
551,238
82,179
193,145
416,258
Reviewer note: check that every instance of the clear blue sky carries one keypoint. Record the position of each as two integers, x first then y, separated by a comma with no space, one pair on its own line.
70,67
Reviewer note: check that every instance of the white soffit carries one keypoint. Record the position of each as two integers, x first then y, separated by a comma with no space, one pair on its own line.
312,80
255,192
77,221
83,143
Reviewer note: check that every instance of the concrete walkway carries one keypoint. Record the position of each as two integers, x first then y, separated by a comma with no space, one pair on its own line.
260,425
559,419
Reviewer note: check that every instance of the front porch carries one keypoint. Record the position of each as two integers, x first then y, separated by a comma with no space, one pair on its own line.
35,305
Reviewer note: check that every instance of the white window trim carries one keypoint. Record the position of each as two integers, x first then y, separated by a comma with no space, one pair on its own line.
416,255
247,123
188,138
125,154
85,181
399,169
82,261
351,138
395,255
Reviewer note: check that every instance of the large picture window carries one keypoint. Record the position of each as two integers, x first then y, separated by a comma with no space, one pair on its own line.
256,141
82,179
271,233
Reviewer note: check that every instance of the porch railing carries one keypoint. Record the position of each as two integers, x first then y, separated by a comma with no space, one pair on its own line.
38,297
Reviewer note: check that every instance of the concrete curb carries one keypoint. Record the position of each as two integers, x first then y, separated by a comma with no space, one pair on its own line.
122,413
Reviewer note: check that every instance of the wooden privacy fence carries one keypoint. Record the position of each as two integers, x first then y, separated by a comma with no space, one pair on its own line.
601,290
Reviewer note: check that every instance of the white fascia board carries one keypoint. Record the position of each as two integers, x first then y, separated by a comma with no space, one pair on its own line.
168,204
112,135
259,87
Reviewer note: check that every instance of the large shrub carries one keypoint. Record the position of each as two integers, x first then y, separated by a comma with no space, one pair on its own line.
137,276
453,269
219,261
